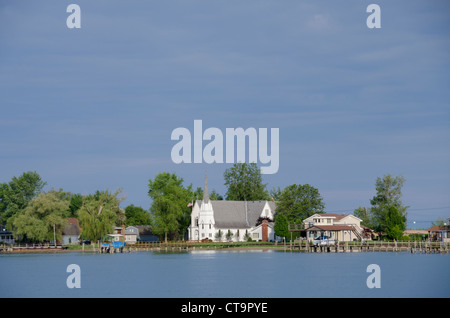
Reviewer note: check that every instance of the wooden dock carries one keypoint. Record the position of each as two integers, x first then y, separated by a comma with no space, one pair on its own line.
174,246
301,246
31,248
371,246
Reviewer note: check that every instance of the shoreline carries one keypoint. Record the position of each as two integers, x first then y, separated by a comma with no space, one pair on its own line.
345,247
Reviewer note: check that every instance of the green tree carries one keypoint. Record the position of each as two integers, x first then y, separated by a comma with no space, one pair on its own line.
15,195
76,202
137,215
395,223
244,182
281,226
275,193
439,222
298,202
99,214
219,235
198,195
171,215
388,195
43,218
364,214
229,235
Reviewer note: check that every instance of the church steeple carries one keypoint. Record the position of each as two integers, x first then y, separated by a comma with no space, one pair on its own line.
205,191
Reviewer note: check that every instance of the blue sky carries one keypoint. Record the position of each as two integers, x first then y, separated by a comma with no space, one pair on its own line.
94,108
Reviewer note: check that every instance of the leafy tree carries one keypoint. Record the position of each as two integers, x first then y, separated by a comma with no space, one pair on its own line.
99,214
219,235
76,202
137,215
365,215
15,195
439,222
215,196
275,193
171,214
244,182
388,195
229,235
44,217
281,226
298,202
247,236
395,223
198,195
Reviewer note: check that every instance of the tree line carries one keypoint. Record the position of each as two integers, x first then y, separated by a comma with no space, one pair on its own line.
36,215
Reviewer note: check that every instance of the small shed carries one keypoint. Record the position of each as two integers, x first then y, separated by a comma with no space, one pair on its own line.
71,232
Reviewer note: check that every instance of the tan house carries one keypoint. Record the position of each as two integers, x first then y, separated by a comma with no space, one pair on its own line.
340,227
439,233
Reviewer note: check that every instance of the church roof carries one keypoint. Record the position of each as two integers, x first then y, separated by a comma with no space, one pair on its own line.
237,214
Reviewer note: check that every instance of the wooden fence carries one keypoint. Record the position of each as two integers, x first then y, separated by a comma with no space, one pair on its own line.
373,246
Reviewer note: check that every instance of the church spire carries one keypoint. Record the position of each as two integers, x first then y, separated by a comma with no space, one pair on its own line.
205,191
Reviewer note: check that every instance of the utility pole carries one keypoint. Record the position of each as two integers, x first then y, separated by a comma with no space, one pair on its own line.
54,235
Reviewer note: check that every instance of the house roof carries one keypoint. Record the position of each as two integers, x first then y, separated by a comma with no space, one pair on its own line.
237,214
72,227
335,216
337,227
144,229
439,228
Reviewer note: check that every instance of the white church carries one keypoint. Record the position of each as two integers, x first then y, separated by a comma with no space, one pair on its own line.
222,220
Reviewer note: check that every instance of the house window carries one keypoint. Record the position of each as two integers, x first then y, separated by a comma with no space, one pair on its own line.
255,235
210,234
203,234
210,226
328,221
203,226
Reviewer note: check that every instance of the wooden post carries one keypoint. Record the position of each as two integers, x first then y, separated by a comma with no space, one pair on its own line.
290,243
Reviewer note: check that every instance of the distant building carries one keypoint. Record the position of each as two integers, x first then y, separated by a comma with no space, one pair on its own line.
145,234
340,227
131,235
6,236
71,232
214,219
440,233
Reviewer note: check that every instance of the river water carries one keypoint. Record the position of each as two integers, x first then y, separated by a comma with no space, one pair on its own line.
225,274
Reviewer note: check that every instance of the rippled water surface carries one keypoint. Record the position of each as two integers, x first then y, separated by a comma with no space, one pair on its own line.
231,273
